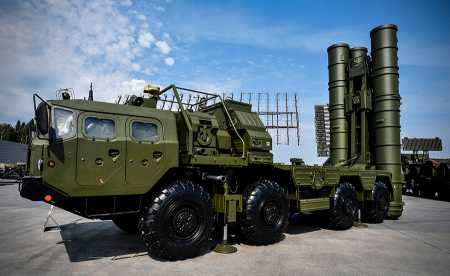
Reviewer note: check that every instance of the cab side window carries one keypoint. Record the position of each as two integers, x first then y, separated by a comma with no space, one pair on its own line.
147,132
99,128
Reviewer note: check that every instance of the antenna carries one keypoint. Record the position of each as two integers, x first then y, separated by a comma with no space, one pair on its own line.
281,116
91,94
421,144
322,123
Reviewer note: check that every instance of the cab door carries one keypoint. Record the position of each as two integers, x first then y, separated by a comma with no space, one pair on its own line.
145,151
100,154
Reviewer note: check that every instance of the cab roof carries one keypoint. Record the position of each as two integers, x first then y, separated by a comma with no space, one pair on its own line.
111,108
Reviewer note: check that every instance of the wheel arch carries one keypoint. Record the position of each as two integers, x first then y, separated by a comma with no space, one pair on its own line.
282,177
387,181
169,176
355,180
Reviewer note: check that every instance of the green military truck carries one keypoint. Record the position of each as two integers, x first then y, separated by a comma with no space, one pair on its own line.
425,176
173,177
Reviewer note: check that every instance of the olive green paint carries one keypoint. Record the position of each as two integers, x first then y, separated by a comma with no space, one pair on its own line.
387,108
338,58
228,136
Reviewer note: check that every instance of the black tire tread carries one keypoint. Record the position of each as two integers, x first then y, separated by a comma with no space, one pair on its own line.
251,195
337,218
151,217
371,213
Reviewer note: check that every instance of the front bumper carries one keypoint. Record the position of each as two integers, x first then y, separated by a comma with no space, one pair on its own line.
34,188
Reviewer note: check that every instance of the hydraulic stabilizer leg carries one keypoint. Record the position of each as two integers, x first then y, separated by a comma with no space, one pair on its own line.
224,247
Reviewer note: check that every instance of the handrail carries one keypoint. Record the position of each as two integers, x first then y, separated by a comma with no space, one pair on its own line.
183,114
234,127
186,116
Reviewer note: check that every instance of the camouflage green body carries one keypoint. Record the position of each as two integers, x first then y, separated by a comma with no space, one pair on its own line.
139,166
212,143
76,172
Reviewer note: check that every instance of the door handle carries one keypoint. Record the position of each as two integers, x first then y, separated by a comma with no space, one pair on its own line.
99,162
113,152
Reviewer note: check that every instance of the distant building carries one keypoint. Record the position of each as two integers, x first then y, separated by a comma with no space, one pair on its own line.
12,153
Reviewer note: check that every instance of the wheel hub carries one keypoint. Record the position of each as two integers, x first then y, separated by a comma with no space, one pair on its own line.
271,213
185,222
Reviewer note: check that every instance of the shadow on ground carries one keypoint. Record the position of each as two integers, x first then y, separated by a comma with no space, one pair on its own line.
85,241
305,223
99,239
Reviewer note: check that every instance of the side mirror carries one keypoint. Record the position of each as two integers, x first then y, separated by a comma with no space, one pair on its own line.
42,122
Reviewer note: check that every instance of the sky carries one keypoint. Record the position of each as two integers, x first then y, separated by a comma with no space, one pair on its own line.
220,46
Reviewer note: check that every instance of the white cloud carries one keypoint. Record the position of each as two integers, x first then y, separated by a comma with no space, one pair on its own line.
134,86
145,39
218,86
169,61
163,47
53,44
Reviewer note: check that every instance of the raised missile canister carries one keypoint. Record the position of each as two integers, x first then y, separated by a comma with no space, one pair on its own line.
358,102
386,112
338,58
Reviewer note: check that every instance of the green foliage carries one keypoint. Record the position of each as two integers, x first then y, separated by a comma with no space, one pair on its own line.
19,133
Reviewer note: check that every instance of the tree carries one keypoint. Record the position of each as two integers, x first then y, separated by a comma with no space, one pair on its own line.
20,133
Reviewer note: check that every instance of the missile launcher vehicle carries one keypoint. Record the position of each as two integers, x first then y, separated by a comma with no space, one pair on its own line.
176,176
425,176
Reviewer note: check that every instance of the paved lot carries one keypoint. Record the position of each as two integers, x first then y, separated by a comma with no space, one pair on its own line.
417,244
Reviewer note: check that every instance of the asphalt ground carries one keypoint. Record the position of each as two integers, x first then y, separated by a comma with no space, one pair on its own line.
416,244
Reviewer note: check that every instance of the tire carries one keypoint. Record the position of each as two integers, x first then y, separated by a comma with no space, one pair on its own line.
266,212
377,209
178,223
126,223
343,209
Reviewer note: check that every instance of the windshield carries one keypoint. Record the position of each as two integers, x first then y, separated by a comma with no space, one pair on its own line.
63,123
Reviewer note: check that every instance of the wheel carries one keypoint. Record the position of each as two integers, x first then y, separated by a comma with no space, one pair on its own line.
127,223
265,214
376,210
343,209
178,223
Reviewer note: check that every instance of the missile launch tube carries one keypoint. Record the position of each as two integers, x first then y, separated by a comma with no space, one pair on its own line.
338,58
386,113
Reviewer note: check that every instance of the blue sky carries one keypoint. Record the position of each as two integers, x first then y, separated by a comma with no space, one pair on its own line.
224,46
